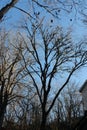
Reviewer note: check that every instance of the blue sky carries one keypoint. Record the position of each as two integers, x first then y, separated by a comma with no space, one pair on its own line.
67,21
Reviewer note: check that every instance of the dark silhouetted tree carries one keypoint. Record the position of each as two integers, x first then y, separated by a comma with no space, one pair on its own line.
52,54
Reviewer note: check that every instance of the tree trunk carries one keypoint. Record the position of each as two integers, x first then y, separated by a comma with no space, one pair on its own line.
3,107
1,118
43,122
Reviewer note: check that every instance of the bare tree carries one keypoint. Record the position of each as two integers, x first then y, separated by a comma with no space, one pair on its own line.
59,113
53,54
68,107
11,74
73,103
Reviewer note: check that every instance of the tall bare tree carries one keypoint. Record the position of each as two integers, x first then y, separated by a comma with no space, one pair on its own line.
10,74
53,54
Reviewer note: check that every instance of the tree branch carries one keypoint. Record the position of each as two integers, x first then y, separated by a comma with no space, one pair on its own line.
5,9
